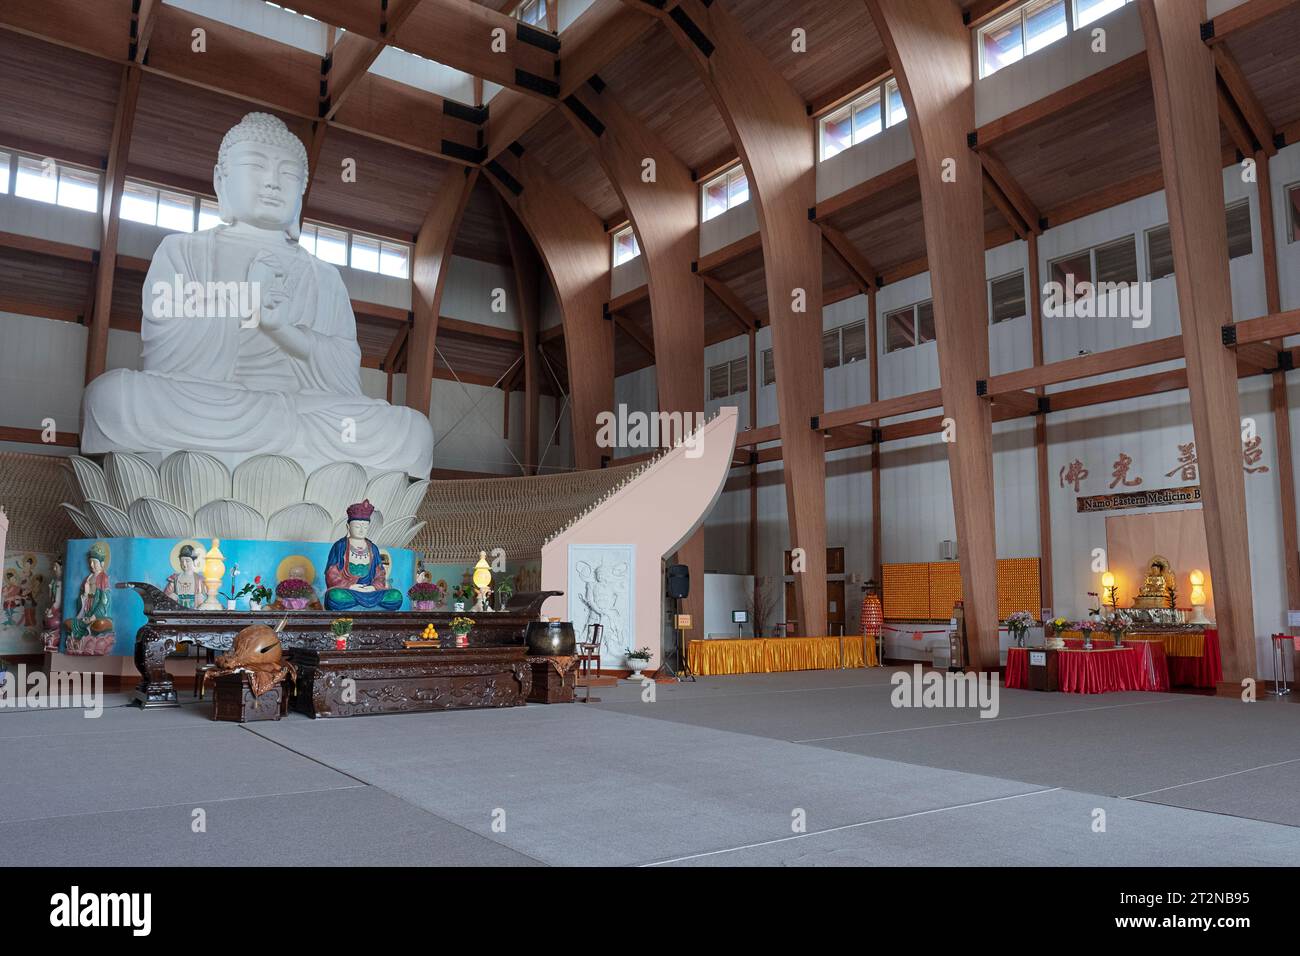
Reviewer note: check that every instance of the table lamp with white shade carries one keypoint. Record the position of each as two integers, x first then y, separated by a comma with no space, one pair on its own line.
1197,580
1108,590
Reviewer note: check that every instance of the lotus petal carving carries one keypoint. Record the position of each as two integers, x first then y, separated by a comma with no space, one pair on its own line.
112,522
83,522
234,518
190,479
194,494
155,518
269,483
129,478
303,521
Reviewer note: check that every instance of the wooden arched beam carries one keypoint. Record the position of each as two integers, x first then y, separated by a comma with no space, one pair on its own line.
930,50
528,277
575,251
1183,81
661,202
770,127
430,261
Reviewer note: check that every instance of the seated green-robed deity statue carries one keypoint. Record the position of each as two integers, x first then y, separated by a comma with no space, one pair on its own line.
355,575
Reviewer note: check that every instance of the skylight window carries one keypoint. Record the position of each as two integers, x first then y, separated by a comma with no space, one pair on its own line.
725,191
862,118
625,246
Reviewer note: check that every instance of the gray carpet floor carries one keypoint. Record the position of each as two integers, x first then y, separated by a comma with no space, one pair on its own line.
813,768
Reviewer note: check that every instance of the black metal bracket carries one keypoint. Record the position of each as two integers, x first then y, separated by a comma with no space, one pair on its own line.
973,138
538,84
1229,335
981,387
503,175
692,30
1207,31
1044,404
526,33
816,422
470,154
460,111
589,119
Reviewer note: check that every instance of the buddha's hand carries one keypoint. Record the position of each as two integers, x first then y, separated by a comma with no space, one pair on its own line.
270,279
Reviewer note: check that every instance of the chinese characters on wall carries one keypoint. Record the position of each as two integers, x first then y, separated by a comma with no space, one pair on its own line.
1125,473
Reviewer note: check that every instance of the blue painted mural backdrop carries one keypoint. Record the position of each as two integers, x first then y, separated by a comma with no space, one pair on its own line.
151,560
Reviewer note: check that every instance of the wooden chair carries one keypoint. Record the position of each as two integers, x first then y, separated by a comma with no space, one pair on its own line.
589,649
204,661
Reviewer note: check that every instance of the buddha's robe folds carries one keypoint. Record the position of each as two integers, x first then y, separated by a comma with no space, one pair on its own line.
210,385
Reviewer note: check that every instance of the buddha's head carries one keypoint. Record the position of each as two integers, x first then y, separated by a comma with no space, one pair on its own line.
187,558
359,516
261,174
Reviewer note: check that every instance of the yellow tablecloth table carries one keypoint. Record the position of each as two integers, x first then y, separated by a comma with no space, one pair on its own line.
1177,643
766,655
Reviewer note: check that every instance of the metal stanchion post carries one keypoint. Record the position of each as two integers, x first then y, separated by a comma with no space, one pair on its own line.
1280,688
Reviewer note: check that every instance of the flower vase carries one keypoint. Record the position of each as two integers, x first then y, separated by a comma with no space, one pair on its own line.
458,606
637,664
423,605
1087,640
295,604
1118,637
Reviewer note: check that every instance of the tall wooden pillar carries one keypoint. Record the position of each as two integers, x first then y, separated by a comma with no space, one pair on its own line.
771,130
430,262
575,251
1280,398
1183,81
664,212
110,221
930,50
528,277
1040,429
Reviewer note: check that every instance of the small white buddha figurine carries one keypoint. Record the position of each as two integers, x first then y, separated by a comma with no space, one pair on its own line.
249,341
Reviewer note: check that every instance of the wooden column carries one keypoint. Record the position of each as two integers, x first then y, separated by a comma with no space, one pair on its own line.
430,262
664,213
930,50
1035,300
110,220
1281,400
770,127
528,277
1183,80
877,532
575,251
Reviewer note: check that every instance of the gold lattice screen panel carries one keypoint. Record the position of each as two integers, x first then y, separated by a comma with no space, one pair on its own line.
927,591
945,588
1019,587
905,590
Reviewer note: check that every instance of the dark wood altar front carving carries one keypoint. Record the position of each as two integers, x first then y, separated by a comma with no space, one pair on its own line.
170,625
355,683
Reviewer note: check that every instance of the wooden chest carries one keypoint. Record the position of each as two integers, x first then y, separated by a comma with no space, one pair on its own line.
334,683
232,699
550,686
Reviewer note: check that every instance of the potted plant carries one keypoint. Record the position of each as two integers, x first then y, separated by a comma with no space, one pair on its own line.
638,660
294,593
342,628
1018,624
427,595
258,594
1117,623
461,596
1059,626
1087,626
460,626
505,591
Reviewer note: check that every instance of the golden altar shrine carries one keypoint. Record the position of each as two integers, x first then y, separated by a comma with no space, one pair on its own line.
766,655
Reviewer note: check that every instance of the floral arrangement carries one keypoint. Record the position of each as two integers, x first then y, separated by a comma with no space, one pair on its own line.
293,588
461,625
428,591
258,591
640,654
1117,623
463,593
1060,625
1087,626
1018,624
505,590
341,626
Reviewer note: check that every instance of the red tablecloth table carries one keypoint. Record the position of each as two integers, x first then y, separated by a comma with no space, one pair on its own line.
1203,671
1153,663
1017,675
1100,670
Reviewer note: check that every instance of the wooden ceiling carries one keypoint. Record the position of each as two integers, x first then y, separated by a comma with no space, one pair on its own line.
55,99
1266,53
61,99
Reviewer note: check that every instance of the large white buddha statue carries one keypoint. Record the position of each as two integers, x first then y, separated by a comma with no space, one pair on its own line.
250,344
